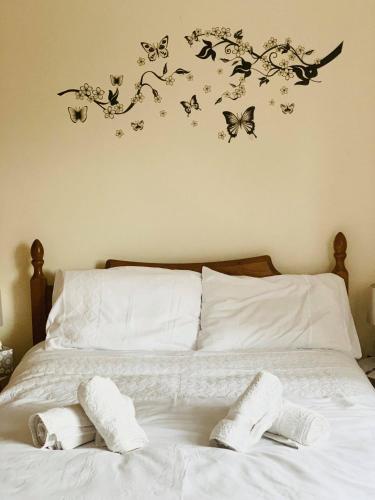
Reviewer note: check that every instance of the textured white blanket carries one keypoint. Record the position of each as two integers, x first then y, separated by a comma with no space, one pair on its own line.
179,398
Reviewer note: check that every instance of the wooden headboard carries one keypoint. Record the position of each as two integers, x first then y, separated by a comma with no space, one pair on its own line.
259,267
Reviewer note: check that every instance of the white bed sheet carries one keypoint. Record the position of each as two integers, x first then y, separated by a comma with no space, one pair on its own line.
179,397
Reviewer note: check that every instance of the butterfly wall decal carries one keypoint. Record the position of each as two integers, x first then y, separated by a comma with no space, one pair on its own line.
235,122
190,105
138,125
192,38
116,80
112,97
156,50
78,114
287,109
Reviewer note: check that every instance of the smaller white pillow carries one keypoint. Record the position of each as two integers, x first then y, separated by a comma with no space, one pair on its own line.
125,308
277,312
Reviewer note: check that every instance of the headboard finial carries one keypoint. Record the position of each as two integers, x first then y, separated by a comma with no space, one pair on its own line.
340,246
38,286
37,254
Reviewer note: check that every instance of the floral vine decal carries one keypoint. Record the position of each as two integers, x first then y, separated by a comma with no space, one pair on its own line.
275,59
110,105
283,62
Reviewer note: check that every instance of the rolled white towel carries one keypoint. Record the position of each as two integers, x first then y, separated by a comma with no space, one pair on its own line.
251,415
62,428
112,414
298,424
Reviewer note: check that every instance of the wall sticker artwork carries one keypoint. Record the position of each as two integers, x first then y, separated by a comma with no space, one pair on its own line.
280,64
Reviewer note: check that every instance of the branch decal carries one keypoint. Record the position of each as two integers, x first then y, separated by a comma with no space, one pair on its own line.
111,106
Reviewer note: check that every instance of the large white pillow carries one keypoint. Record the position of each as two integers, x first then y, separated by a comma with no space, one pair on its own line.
277,312
131,308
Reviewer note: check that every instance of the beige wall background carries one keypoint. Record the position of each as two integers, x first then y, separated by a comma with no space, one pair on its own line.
174,192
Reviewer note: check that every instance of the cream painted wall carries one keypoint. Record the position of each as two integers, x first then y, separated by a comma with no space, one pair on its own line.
174,192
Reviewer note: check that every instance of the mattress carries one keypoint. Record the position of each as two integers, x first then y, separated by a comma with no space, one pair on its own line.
179,397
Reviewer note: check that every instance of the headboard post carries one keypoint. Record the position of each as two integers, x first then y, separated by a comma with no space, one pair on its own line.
339,246
38,287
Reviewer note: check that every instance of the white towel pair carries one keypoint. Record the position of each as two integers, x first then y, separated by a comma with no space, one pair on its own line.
104,414
261,410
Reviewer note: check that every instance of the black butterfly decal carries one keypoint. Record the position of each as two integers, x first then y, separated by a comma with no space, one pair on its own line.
193,38
190,105
156,50
78,114
112,97
137,125
117,80
235,122
287,109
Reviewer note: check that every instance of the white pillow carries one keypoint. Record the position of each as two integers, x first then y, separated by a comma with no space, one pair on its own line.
277,312
131,308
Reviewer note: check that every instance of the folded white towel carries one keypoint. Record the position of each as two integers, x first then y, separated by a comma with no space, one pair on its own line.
251,415
112,414
298,424
61,428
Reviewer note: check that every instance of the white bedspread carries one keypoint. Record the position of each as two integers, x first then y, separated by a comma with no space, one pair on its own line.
179,397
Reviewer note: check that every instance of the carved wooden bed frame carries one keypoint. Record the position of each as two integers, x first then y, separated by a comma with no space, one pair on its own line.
259,267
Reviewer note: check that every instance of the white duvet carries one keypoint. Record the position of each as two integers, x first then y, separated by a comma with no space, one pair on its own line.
179,397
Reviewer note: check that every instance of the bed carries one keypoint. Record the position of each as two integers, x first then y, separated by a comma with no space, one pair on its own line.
179,396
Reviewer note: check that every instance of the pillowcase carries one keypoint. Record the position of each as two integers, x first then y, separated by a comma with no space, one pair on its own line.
131,308
277,312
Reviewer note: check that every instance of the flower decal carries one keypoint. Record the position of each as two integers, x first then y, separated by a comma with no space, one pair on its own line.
119,133
169,80
141,61
221,135
109,112
98,93
207,89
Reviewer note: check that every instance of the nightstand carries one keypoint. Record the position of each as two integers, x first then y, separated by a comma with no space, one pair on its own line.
368,366
6,365
4,381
